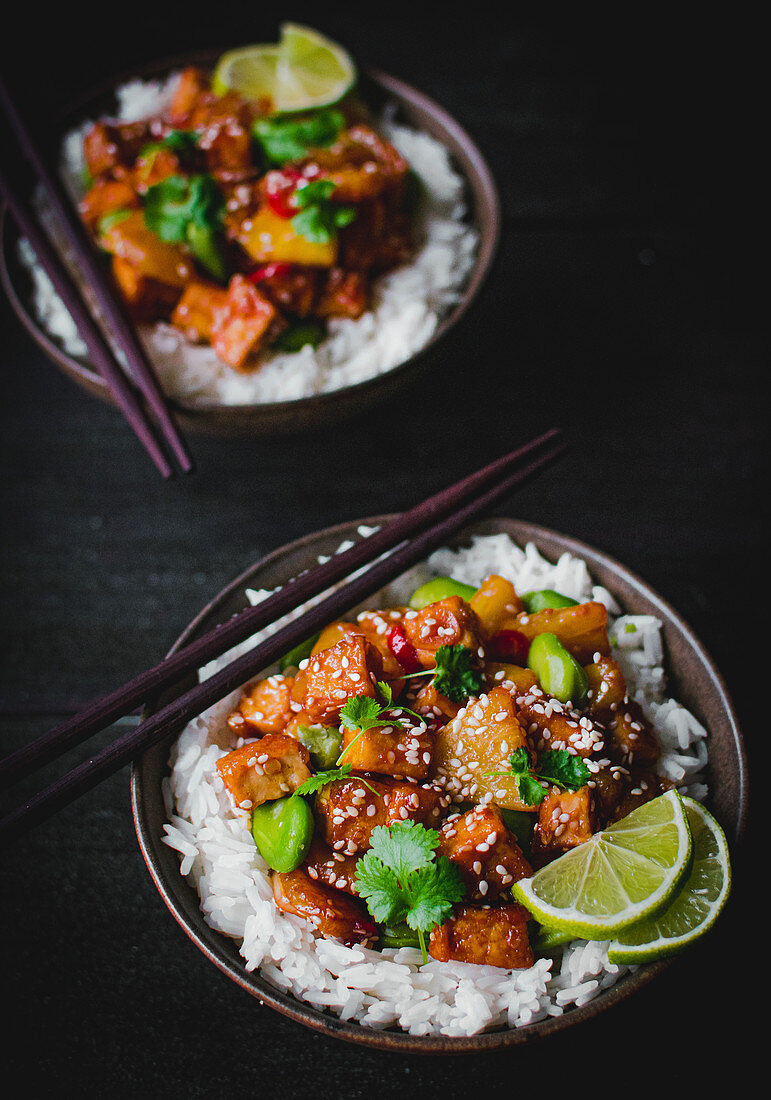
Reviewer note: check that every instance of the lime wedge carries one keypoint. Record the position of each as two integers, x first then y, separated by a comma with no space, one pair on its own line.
620,875
696,905
303,72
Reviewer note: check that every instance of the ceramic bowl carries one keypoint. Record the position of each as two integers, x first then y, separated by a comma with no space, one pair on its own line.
483,206
693,680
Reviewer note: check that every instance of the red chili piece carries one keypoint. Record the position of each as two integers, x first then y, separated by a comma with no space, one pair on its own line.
280,187
510,645
269,271
402,649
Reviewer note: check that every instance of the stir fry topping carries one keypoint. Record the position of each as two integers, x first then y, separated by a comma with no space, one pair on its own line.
438,771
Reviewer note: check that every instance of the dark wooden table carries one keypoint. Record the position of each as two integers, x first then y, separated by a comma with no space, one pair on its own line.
624,305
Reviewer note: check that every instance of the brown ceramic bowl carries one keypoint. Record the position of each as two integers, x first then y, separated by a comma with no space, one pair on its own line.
693,680
412,107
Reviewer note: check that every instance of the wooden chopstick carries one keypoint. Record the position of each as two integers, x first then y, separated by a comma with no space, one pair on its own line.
98,349
110,305
293,594
175,715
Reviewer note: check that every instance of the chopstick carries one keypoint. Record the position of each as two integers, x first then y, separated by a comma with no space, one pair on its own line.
98,349
110,306
429,526
293,594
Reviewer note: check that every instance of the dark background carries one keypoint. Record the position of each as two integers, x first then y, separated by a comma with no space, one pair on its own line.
625,305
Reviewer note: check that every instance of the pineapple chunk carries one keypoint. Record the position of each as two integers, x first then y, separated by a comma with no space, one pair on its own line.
582,629
269,238
481,739
496,605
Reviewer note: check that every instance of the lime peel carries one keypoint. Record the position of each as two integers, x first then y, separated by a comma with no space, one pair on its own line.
303,72
696,905
606,883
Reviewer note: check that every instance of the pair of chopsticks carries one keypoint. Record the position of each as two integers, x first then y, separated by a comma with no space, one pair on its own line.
139,396
386,553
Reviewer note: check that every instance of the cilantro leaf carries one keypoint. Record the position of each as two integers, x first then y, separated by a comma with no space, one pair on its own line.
379,887
563,768
434,890
285,139
404,847
456,678
175,204
556,766
399,878
319,218
321,779
330,775
360,713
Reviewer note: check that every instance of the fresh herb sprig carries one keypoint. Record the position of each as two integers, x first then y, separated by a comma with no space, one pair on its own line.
557,767
361,713
401,879
454,674
286,139
189,210
319,218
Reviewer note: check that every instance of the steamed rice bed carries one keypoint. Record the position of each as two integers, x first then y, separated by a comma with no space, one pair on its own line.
390,988
408,305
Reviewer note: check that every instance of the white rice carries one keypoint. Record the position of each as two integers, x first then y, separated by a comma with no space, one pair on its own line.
391,988
408,302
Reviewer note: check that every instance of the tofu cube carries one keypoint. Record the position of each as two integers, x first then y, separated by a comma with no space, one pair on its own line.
333,913
565,820
265,708
263,770
486,853
406,750
487,936
350,667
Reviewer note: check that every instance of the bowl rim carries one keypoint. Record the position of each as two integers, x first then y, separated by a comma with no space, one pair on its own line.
212,943
481,188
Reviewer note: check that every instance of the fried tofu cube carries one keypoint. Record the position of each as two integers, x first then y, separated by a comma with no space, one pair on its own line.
264,770
481,739
430,702
630,738
147,299
196,311
349,809
131,240
351,667
265,708
565,820
227,147
488,936
331,868
447,622
582,629
343,294
551,724
191,85
496,605
512,677
421,802
486,853
405,750
244,325
607,687
111,148
334,913
104,197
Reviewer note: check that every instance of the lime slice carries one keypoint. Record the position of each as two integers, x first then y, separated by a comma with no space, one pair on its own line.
620,875
252,71
696,905
304,71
